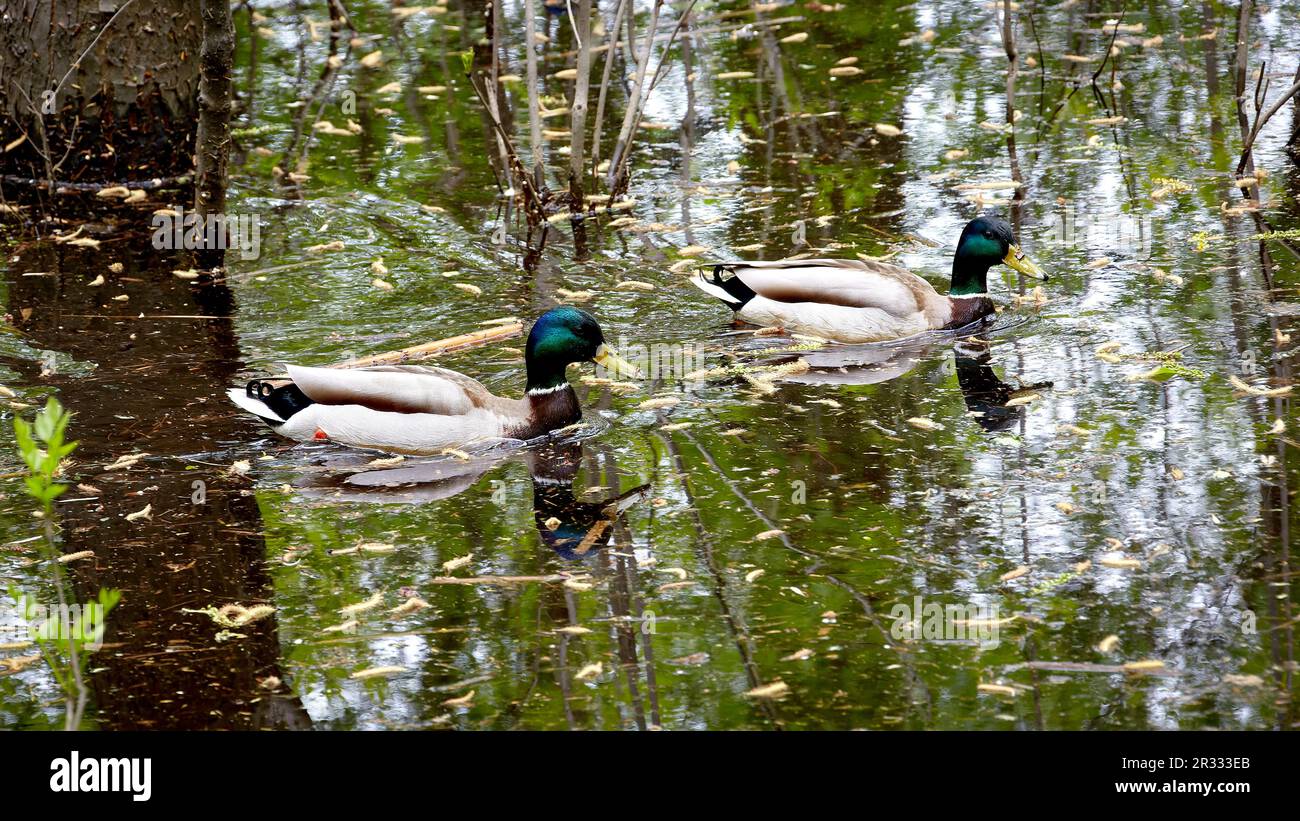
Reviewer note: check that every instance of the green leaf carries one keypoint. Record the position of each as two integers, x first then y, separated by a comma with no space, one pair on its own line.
35,486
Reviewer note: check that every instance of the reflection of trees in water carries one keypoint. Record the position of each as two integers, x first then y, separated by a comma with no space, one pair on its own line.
157,387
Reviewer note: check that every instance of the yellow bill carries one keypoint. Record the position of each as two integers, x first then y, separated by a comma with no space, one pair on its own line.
615,364
1017,260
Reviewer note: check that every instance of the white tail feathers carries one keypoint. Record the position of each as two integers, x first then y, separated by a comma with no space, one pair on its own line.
254,406
701,281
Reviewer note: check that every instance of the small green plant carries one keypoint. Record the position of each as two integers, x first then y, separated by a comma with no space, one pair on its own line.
43,464
73,629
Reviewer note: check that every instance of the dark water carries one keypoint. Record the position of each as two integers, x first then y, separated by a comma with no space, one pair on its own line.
820,482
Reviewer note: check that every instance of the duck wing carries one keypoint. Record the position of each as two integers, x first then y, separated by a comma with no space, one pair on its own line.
394,388
843,282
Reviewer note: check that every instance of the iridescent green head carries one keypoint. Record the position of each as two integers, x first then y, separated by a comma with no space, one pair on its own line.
985,242
562,336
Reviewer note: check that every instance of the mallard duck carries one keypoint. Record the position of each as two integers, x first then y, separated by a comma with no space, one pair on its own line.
857,301
414,409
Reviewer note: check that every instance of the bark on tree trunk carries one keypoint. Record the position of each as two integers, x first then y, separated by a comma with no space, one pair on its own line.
99,91
213,139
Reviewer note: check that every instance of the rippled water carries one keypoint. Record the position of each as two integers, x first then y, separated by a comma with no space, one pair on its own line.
769,532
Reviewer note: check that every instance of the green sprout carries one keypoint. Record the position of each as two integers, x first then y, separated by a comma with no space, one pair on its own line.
44,448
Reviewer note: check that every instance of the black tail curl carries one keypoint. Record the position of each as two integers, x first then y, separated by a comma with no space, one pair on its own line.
285,400
742,292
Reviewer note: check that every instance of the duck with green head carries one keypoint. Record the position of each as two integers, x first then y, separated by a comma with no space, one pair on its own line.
863,301
416,409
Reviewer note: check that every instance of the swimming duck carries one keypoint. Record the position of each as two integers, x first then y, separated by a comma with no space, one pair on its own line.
858,301
413,409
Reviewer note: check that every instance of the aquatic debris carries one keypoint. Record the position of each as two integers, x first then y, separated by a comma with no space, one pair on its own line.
659,403
1022,570
991,185
764,374
1144,666
455,564
15,664
145,512
1167,371
346,627
1108,645
411,605
590,671
392,461
1017,401
925,423
775,689
377,672
239,467
234,615
577,585
1166,186
455,453
496,580
1237,383
996,690
124,462
574,296
362,606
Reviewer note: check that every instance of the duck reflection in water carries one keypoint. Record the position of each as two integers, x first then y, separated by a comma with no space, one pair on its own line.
571,526
985,393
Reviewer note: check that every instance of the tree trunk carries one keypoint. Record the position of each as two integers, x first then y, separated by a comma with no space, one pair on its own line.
212,151
98,91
